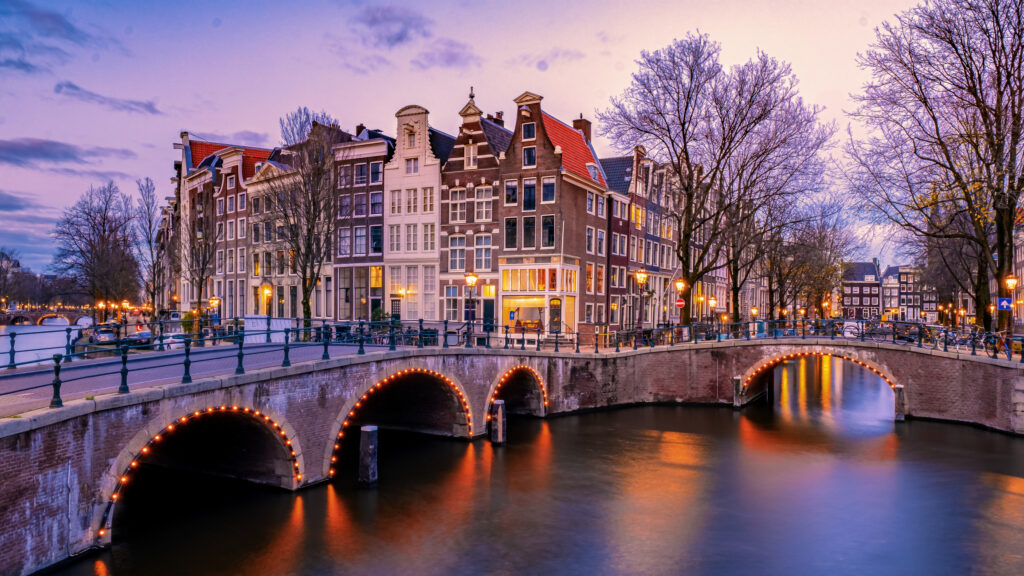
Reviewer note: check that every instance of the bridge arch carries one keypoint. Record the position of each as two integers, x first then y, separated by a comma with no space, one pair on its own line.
525,391
355,406
147,442
39,321
769,362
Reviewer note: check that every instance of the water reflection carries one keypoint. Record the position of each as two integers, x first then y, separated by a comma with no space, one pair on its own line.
821,480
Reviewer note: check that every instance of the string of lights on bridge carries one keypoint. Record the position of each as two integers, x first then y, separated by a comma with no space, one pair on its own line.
784,357
508,374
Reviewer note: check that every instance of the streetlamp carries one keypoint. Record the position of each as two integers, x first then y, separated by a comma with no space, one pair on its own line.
641,280
214,303
1011,285
471,280
680,286
824,309
753,312
700,305
963,318
267,293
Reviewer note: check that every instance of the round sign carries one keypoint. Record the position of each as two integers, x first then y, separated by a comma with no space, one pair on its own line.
680,303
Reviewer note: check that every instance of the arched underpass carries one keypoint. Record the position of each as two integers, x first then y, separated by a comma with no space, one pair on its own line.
523,391
225,445
409,401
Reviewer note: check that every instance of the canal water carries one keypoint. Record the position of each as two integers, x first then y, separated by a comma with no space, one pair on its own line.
819,481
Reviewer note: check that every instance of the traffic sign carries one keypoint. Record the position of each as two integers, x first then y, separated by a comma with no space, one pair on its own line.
1006,303
680,302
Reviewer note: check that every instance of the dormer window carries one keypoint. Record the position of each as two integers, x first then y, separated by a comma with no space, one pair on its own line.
529,131
470,151
411,139
593,172
529,156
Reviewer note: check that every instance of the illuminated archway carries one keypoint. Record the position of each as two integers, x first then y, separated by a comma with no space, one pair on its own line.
39,322
145,444
509,377
358,404
766,365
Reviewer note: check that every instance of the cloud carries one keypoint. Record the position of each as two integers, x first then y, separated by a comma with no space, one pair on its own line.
28,34
244,137
391,26
366,64
100,175
446,53
28,152
544,61
13,202
72,90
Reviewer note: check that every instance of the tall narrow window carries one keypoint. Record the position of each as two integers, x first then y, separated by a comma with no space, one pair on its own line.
376,172
428,200
511,192
428,237
482,261
376,239
457,205
412,166
530,194
529,131
548,190
396,201
410,237
529,156
412,201
547,232
484,204
511,226
456,253
470,150
529,231
360,174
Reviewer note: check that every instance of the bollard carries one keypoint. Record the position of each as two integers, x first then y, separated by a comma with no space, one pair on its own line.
499,425
268,321
10,362
617,342
187,376
577,339
596,349
240,338
522,333
325,337
559,332
469,340
803,331
445,335
368,456
506,336
160,347
362,350
287,360
419,337
488,328
920,335
538,339
671,337
123,389
56,402
391,336
67,344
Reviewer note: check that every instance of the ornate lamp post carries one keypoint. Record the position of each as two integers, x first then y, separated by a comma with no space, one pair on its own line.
680,286
471,280
641,281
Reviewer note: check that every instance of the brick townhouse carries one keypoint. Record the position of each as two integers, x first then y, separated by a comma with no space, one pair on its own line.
470,236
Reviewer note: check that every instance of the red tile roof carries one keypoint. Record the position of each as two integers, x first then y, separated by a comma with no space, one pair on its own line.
200,150
250,158
576,154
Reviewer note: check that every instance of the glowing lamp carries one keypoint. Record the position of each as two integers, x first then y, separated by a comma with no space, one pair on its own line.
680,283
641,277
471,279
1011,282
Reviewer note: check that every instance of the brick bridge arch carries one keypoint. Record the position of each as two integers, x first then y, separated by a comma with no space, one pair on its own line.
351,409
520,370
147,442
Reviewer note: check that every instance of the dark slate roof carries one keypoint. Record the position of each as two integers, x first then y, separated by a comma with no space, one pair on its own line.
441,144
497,136
891,271
857,271
618,172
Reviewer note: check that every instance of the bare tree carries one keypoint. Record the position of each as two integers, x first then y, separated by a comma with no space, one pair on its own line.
8,264
305,194
945,113
200,243
95,240
295,126
719,130
147,225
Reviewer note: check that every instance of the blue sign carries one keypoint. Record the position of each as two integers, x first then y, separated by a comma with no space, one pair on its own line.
1005,303
511,315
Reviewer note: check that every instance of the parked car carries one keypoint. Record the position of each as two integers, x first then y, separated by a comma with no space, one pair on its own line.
103,335
174,341
139,339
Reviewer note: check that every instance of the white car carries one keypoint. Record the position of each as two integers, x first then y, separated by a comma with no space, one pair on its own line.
172,341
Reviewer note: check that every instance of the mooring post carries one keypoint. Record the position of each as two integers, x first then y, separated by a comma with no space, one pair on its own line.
737,391
499,425
901,402
368,456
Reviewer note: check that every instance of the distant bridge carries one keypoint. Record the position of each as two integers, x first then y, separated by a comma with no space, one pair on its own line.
37,317
64,468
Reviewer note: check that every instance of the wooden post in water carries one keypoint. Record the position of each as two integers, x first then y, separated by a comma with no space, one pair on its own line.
901,402
368,456
499,424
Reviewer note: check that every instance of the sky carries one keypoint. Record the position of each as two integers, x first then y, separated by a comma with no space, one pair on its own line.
99,91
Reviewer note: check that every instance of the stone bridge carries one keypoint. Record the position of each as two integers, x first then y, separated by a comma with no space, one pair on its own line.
63,469
37,317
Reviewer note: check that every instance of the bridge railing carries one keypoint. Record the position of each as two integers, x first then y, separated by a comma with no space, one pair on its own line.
235,342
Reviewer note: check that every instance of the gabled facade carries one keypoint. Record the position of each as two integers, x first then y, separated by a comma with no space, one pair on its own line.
862,289
359,254
553,202
413,182
470,237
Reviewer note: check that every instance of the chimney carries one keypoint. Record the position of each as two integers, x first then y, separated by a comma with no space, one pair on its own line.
497,118
583,125
359,129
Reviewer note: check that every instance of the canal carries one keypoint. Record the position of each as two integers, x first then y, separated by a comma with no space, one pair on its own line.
817,480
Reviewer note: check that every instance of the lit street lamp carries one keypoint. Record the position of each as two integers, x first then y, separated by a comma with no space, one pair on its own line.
680,286
471,280
641,281
1011,285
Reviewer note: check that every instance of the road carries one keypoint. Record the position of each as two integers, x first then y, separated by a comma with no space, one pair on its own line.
30,389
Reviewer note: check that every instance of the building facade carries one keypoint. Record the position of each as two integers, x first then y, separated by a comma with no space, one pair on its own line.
862,287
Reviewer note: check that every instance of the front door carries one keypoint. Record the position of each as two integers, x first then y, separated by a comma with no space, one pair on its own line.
489,314
396,309
555,314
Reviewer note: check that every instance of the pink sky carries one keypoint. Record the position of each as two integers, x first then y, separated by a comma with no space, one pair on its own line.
97,90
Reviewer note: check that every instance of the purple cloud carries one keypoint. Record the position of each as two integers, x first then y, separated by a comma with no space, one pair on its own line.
446,53
29,152
72,90
391,26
